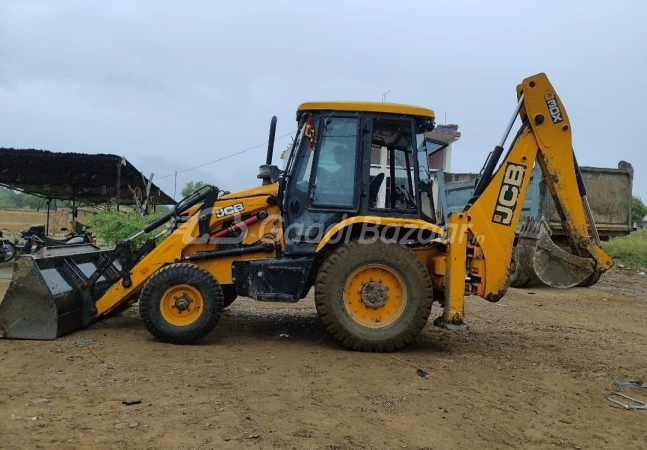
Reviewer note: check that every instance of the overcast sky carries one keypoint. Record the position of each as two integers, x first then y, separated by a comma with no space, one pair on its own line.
171,85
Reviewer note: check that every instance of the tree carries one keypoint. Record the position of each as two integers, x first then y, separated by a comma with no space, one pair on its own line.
16,199
31,201
638,209
191,187
9,198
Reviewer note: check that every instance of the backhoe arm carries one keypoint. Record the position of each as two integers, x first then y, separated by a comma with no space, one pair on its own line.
485,231
548,119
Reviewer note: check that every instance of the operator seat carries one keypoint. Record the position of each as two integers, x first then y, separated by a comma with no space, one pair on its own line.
374,189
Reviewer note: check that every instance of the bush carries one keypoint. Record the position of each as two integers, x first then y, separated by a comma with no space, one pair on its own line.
112,227
630,250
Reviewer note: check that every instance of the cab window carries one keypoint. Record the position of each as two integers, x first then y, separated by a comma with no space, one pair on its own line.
392,165
334,176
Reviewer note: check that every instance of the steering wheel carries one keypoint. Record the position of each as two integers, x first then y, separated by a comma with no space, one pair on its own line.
406,195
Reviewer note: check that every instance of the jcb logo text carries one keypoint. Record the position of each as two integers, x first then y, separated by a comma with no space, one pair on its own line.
506,202
229,210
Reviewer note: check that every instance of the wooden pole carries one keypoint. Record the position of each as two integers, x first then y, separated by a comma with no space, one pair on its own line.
121,163
49,201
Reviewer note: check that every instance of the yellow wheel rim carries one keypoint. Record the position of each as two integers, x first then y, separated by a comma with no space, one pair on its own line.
181,305
375,296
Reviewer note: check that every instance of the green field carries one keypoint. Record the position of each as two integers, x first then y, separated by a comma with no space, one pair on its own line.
629,250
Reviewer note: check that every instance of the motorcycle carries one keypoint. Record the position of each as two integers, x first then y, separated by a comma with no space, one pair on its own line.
7,249
35,239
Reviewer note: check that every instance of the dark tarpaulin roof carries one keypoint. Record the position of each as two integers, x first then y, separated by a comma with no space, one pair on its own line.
73,176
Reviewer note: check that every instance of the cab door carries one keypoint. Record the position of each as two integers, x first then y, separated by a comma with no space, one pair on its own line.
323,181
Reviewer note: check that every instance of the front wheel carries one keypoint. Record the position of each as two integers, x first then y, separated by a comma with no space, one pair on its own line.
181,303
373,297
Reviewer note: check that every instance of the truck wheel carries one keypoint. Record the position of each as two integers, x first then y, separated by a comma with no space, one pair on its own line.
181,303
517,278
591,280
373,297
229,294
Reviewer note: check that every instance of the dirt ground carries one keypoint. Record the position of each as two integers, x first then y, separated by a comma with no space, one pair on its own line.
533,372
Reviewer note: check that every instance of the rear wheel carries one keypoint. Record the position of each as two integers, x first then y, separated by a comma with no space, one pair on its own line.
373,297
181,304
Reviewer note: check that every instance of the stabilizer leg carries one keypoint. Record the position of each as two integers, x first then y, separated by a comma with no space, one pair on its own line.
454,311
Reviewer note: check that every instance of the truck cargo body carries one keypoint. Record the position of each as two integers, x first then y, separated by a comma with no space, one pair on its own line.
609,192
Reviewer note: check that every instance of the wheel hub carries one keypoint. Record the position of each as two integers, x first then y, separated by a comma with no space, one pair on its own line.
374,294
182,303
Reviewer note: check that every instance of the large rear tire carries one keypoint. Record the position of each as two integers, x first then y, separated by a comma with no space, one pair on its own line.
181,304
373,297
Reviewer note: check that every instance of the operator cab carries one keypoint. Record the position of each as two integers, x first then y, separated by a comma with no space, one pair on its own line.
354,159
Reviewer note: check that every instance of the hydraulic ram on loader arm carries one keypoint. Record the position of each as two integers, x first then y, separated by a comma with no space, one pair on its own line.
485,243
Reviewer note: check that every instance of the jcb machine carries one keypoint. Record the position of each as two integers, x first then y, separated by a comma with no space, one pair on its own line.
366,242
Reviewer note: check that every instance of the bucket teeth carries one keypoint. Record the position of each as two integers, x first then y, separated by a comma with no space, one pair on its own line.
533,229
539,257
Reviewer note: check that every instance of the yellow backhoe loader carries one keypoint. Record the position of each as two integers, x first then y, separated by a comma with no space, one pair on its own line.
365,241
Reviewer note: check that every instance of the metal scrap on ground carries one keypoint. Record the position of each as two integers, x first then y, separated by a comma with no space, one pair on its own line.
634,405
421,373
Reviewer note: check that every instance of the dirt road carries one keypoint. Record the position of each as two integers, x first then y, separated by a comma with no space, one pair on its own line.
532,373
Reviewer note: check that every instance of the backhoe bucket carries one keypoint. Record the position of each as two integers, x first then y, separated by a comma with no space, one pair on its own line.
541,258
49,295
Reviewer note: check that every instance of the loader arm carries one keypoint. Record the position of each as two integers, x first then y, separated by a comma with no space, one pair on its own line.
485,231
183,242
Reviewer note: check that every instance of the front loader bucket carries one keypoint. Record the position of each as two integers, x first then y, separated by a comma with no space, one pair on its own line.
541,258
49,295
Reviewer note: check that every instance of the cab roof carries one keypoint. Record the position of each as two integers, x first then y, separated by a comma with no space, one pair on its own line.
375,107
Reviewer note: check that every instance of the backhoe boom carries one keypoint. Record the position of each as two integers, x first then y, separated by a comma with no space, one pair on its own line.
493,214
